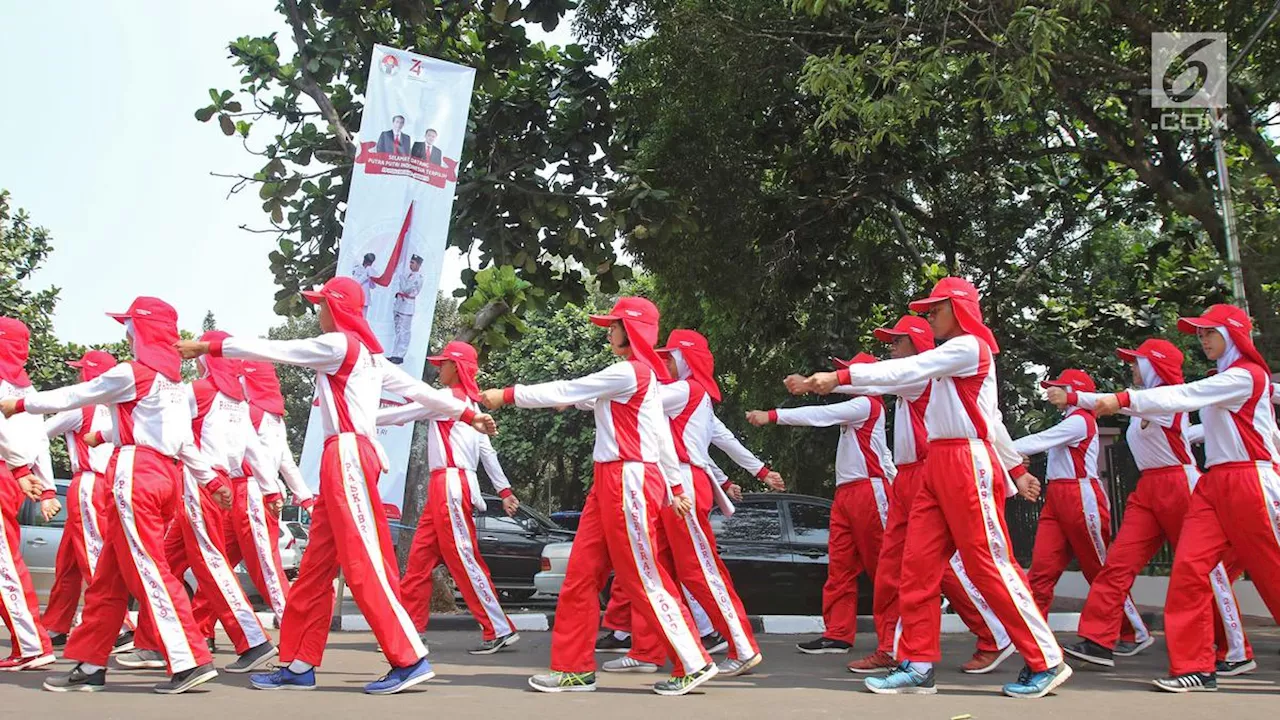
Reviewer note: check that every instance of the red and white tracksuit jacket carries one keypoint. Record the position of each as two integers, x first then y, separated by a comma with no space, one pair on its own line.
1154,513
1075,520
88,507
636,470
197,539
864,477
958,507
687,545
151,429
24,448
1234,507
447,528
348,525
910,447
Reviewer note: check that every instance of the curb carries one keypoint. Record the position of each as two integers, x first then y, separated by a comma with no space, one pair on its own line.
761,624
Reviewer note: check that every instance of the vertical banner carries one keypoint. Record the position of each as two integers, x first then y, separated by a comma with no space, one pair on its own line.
397,220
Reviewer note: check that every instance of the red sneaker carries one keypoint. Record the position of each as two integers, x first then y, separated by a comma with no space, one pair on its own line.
877,661
13,664
984,661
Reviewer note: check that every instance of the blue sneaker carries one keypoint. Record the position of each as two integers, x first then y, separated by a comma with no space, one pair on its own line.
1037,685
401,679
903,681
282,678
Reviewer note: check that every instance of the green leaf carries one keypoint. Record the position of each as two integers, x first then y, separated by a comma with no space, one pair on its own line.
228,127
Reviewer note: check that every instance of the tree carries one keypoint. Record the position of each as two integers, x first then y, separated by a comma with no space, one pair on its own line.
23,248
297,384
209,323
532,174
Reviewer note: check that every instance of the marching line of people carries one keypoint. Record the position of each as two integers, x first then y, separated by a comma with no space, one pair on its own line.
170,476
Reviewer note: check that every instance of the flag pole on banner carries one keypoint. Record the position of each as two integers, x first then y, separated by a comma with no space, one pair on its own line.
397,220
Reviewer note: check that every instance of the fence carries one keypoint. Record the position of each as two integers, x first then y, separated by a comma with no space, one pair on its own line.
1120,477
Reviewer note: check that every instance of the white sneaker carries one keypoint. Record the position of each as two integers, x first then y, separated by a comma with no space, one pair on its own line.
628,664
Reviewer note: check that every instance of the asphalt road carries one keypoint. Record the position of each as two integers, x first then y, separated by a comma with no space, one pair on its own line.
788,685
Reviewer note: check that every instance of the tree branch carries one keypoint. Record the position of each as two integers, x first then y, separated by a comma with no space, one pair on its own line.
307,84
486,317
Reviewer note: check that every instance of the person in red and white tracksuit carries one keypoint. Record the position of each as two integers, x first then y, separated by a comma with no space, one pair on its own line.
967,477
151,430
253,528
864,485
687,545
88,504
1235,507
446,528
911,335
1153,513
24,473
224,436
636,475
1075,521
348,522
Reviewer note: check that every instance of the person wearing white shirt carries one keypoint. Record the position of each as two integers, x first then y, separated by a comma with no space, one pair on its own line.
409,284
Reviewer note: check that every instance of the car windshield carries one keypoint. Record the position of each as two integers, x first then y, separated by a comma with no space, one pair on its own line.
298,531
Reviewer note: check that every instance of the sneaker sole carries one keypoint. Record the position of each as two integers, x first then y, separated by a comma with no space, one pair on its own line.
191,683
825,651
713,672
647,668
616,651
272,688
909,690
1245,668
718,648
1062,677
515,638
127,647
1137,648
747,666
1181,690
148,665
257,663
1005,654
35,664
869,670
562,689
1091,659
417,680
72,688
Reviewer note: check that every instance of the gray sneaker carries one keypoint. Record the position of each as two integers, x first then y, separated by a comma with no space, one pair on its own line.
736,667
253,658
684,685
489,647
628,664
187,679
558,682
141,659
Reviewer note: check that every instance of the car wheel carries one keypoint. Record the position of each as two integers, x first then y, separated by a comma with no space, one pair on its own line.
516,595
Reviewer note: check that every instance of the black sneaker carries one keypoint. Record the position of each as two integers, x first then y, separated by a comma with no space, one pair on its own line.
187,679
76,681
1024,675
1091,652
824,646
213,646
489,647
123,643
714,643
59,640
252,659
609,643
684,685
1191,682
1226,668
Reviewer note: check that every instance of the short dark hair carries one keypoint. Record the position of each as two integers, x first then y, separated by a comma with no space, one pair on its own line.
415,258
431,130
369,258
397,117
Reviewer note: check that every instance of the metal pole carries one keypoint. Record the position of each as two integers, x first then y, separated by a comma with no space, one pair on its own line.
1228,211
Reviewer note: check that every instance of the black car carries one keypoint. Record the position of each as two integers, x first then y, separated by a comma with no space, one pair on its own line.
775,547
512,546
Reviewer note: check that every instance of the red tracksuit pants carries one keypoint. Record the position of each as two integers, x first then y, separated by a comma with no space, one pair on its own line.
1235,507
18,599
617,531
958,508
145,488
83,537
447,531
253,535
859,513
1154,513
1075,522
687,548
348,531
196,541
991,634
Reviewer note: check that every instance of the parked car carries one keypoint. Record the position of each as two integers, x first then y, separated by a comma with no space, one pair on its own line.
40,540
301,536
512,546
290,559
775,547
567,519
